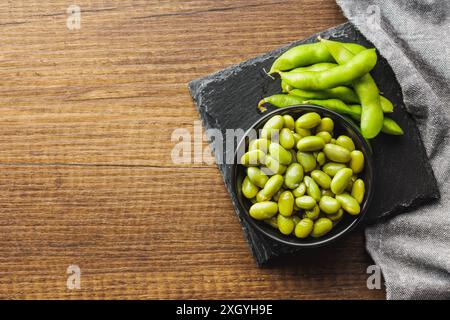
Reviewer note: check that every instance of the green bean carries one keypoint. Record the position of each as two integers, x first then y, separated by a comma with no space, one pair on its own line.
365,87
263,210
353,69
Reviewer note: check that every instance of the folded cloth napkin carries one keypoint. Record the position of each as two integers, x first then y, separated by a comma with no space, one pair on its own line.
413,250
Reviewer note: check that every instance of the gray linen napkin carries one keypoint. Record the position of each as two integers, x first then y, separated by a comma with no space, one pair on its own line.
413,250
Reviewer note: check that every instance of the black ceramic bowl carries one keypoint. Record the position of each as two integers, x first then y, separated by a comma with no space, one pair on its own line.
341,126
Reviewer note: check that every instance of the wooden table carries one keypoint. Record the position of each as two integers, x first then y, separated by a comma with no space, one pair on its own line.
86,176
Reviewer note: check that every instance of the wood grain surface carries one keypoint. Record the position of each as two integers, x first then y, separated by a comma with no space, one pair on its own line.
86,176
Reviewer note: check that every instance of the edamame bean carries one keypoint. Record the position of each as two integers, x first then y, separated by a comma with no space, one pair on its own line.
304,228
308,120
321,178
259,144
253,158
280,154
337,216
349,203
341,180
261,196
297,137
305,202
325,135
312,214
346,142
329,205
327,192
302,132
358,190
294,175
289,122
356,161
336,153
331,168
321,159
276,196
273,125
272,222
263,210
326,124
300,190
272,185
256,176
286,203
312,189
321,227
311,143
274,166
296,219
287,139
285,224
307,160
249,190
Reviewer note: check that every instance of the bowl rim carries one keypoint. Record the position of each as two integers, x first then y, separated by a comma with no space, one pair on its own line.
282,238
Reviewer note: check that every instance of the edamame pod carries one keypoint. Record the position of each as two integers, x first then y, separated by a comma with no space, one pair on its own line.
308,120
305,202
321,178
358,190
336,153
329,205
249,190
285,224
256,176
287,140
349,203
253,158
307,160
294,175
341,180
280,154
273,125
343,93
321,227
280,100
303,228
263,210
272,185
286,203
312,189
310,143
356,161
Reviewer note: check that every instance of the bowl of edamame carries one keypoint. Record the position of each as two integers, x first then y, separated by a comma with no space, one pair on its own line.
306,178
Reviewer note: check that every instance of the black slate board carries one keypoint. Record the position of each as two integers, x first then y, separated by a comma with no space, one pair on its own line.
403,176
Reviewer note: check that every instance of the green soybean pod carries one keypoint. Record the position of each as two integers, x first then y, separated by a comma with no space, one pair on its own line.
272,222
391,127
286,204
272,185
311,143
253,158
273,125
341,180
349,203
307,160
308,120
249,190
337,216
326,124
329,205
358,190
285,88
303,228
274,166
321,159
305,202
287,139
289,122
280,154
294,175
346,142
312,214
331,168
279,100
263,210
285,224
256,176
341,92
259,144
336,153
312,189
325,135
321,227
356,161
300,190
321,178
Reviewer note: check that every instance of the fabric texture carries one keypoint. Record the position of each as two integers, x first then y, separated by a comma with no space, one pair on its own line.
413,250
